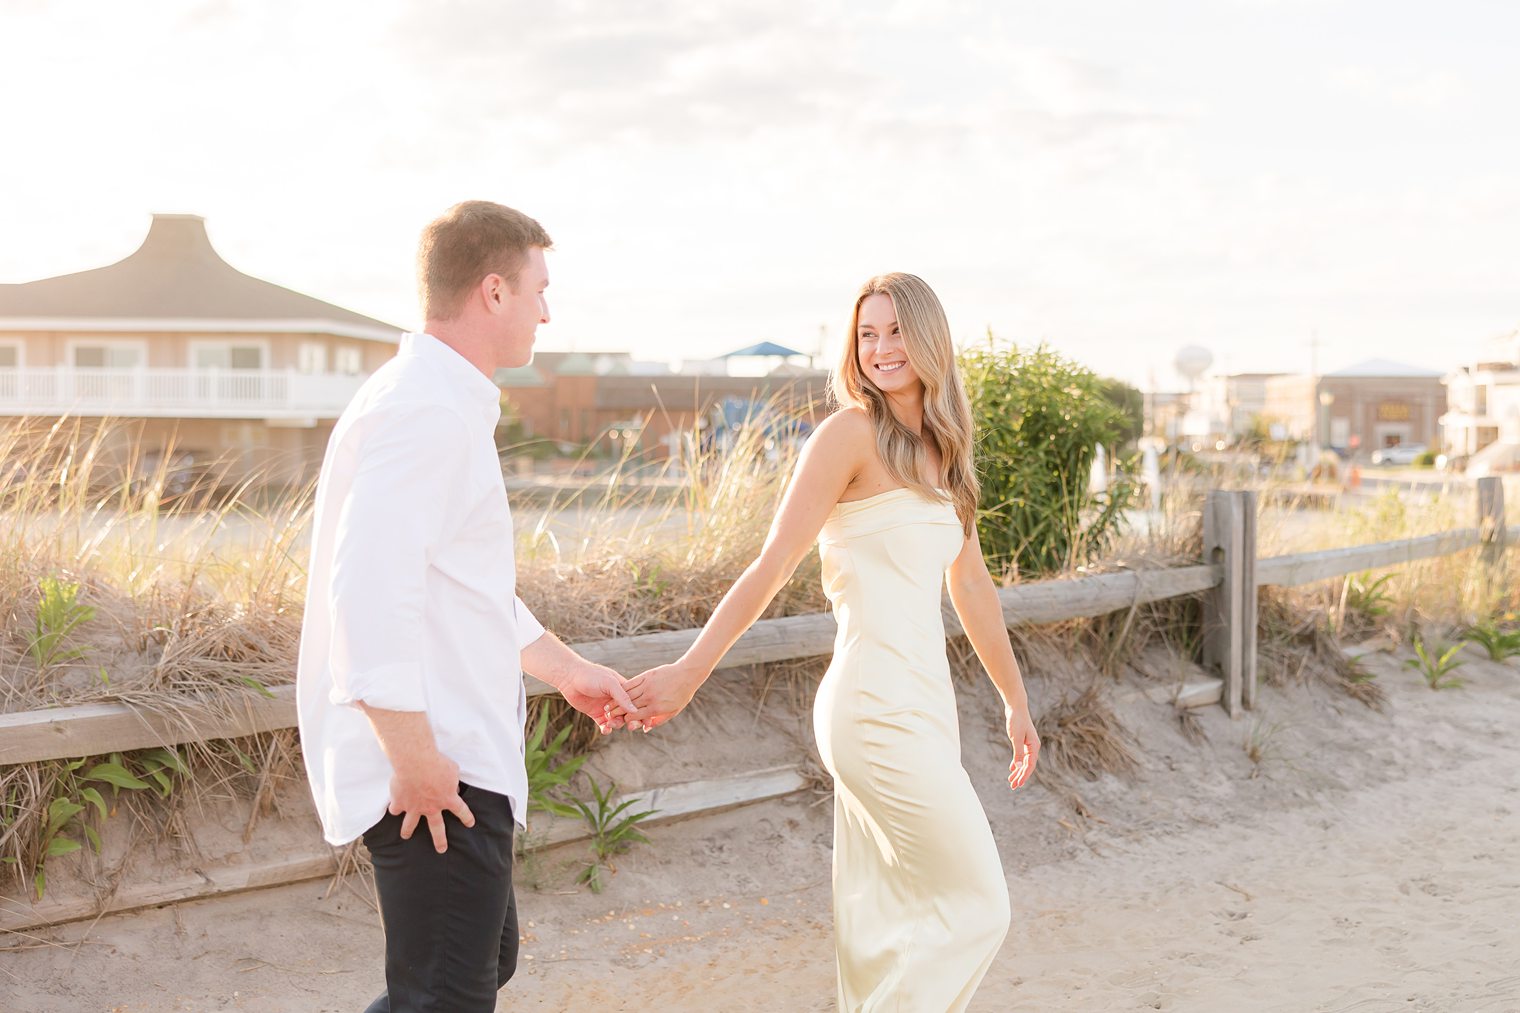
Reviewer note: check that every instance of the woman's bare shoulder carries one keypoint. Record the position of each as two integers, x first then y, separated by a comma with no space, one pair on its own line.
847,425
845,434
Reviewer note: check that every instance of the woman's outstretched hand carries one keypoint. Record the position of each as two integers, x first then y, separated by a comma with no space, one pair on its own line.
659,694
1026,744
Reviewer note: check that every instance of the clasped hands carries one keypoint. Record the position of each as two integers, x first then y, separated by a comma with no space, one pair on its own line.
425,783
642,703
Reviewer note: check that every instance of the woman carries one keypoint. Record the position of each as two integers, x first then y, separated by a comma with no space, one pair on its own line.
887,487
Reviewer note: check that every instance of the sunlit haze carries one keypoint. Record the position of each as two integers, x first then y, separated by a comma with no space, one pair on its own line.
1118,179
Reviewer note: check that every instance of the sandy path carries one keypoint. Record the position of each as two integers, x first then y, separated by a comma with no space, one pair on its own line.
1407,899
1378,871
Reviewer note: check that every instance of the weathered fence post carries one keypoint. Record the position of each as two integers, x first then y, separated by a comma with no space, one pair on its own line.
1249,613
1491,529
1229,610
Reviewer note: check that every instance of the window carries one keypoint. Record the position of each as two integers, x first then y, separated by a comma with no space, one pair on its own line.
226,355
1480,399
312,357
10,355
348,361
107,356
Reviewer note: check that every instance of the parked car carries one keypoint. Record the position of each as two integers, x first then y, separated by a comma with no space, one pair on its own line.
1402,455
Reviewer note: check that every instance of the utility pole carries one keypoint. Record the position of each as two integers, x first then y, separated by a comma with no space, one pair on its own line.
1314,344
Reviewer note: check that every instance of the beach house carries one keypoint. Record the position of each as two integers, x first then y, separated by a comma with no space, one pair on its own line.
187,351
1482,429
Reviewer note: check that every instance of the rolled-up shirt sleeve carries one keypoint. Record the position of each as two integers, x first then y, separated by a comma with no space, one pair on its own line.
407,477
529,628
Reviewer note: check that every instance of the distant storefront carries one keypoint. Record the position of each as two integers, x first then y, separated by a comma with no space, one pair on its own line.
1370,406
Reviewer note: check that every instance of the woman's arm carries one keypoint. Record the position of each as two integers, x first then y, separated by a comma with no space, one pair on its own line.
831,459
976,603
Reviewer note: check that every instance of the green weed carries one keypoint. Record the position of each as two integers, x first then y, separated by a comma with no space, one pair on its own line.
1436,666
76,791
1365,598
547,771
59,613
612,832
1497,641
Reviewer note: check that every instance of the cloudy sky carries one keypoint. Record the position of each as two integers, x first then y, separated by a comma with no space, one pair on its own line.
1118,179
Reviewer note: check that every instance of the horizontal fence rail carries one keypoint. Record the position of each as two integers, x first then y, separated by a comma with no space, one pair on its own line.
95,728
90,729
1308,567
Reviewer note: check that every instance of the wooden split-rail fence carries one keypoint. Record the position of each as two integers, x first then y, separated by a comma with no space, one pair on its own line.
1228,578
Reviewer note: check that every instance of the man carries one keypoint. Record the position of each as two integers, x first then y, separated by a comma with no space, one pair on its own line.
410,681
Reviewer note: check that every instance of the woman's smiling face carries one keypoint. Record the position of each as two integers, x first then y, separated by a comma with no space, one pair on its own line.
879,346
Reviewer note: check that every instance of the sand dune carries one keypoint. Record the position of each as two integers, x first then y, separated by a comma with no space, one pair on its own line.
1372,864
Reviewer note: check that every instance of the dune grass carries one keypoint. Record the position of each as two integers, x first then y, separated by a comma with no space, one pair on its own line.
196,597
118,582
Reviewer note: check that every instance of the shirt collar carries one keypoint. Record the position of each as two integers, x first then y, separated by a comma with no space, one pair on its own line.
475,384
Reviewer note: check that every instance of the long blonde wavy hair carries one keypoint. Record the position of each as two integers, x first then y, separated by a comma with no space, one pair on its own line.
947,411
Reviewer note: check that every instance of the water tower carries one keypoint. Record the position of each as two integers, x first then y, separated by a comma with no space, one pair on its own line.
1191,362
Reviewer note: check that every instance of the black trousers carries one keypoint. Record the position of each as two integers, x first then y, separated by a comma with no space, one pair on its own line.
450,919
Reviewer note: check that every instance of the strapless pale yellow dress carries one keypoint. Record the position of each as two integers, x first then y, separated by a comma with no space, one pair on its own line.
920,901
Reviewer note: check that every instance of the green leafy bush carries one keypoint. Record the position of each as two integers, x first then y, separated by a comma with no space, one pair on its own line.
1040,418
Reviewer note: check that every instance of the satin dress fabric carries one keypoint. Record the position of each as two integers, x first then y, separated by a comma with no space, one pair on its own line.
920,899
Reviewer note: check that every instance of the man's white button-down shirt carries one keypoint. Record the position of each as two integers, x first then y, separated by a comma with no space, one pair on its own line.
411,602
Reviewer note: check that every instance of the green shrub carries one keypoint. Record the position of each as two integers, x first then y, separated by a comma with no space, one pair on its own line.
1130,401
1426,460
1039,419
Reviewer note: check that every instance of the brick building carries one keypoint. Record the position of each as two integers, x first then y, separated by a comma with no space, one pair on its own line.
1369,406
602,400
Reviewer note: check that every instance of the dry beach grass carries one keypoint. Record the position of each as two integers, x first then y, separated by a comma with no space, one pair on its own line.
198,600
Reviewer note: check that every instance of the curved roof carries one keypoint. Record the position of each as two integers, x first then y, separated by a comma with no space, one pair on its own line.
176,281
1385,369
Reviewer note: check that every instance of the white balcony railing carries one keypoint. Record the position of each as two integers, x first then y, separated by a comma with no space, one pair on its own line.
174,393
